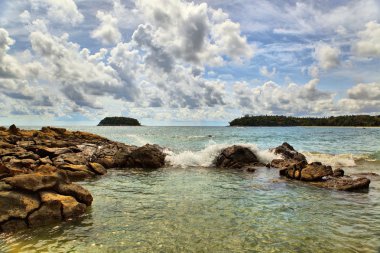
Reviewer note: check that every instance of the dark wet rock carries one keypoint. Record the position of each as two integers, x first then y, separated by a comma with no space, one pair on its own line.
98,168
71,158
13,129
48,213
289,153
70,206
147,156
236,157
4,171
13,225
78,192
338,173
344,183
286,164
32,182
14,204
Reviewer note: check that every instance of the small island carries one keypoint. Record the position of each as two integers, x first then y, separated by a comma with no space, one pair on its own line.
119,121
274,120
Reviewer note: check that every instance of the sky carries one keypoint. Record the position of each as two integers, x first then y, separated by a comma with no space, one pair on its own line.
177,62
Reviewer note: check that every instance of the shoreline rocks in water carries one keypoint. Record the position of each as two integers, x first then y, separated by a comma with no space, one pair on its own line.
37,167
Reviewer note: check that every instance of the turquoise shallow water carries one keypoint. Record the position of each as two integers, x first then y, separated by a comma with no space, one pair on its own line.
188,207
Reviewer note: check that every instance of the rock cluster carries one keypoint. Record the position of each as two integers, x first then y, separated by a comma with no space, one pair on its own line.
293,165
37,167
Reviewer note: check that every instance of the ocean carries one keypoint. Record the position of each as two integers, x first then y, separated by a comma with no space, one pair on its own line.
188,206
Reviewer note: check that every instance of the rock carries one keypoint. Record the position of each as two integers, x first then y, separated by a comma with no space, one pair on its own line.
44,151
49,212
53,129
14,204
32,182
45,169
289,153
236,157
147,156
75,167
98,168
4,171
45,160
77,175
70,206
13,129
344,183
6,145
13,225
338,173
72,158
315,171
78,192
286,164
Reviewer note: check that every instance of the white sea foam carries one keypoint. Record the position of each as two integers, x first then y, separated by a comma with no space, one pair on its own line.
339,160
206,156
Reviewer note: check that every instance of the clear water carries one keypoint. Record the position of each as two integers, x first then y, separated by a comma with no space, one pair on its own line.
188,207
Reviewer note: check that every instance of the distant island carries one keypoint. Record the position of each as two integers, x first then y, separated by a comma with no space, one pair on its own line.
119,121
273,120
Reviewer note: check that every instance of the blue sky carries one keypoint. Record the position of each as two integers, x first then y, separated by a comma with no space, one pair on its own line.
173,62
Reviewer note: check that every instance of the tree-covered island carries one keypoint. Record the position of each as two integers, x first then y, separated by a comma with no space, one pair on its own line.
119,121
274,120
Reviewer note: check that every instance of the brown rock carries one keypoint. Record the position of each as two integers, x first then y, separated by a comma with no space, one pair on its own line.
236,157
78,192
338,173
13,225
70,207
15,204
13,129
98,168
286,164
344,183
289,153
77,175
147,156
33,182
315,171
49,212
46,169
45,160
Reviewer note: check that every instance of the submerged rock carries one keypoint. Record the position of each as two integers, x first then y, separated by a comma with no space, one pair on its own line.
14,204
237,157
288,152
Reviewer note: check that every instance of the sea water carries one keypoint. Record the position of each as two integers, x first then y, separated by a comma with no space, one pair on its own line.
189,206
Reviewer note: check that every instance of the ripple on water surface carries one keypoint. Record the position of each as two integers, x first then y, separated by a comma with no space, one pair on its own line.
208,210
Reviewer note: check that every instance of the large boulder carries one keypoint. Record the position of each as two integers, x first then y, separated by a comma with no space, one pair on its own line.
14,204
48,213
70,206
147,157
33,182
315,171
78,192
236,157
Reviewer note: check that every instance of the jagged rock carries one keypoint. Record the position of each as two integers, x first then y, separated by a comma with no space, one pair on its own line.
77,167
98,168
78,192
286,164
14,204
289,153
70,206
315,171
13,225
236,157
4,171
48,213
32,182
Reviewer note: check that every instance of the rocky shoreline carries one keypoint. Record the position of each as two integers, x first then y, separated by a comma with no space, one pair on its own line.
38,168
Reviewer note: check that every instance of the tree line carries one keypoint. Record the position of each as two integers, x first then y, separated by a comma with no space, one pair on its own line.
274,120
